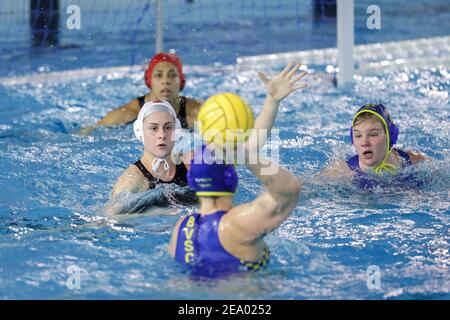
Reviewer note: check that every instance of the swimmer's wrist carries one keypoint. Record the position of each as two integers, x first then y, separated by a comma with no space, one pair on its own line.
272,99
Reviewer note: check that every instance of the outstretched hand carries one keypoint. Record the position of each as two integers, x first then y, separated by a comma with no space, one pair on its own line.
284,83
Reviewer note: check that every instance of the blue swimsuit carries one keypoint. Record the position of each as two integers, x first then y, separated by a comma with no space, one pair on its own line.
366,181
198,245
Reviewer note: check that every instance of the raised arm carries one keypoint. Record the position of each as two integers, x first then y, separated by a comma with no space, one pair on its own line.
251,221
277,89
282,189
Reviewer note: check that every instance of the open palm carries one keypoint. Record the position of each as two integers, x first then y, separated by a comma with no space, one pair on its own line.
284,83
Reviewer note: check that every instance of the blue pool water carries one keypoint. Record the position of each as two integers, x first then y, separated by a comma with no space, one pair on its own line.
54,184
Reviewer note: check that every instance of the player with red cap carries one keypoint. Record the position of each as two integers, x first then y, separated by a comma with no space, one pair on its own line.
164,57
165,79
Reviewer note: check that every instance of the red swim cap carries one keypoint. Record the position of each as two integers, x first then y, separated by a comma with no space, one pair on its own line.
164,57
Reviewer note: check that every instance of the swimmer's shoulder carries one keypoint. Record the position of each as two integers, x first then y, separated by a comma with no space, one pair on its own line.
132,181
135,104
337,169
417,157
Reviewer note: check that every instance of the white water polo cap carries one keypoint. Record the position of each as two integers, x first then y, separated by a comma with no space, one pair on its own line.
147,109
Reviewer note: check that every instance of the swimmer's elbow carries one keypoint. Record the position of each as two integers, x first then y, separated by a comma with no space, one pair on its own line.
296,186
121,115
286,191
295,193
289,199
112,118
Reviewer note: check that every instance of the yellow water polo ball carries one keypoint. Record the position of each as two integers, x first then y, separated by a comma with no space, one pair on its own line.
225,118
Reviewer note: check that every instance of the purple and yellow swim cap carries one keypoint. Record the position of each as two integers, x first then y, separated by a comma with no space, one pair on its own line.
380,111
210,177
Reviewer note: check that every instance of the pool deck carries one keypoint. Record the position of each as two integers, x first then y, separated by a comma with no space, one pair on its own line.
419,53
423,52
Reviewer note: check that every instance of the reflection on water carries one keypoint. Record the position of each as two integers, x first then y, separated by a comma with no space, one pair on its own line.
55,185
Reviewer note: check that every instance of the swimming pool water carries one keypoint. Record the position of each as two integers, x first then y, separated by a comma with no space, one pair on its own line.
54,183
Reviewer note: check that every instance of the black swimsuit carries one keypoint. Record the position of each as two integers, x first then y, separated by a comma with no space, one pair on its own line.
186,197
181,114
179,179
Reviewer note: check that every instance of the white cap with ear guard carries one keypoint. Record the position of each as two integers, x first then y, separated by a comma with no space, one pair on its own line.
149,108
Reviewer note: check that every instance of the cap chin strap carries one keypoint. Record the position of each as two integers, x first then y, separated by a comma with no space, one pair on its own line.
157,161
385,166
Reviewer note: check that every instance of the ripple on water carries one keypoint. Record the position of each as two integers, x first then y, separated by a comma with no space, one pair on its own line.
55,183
